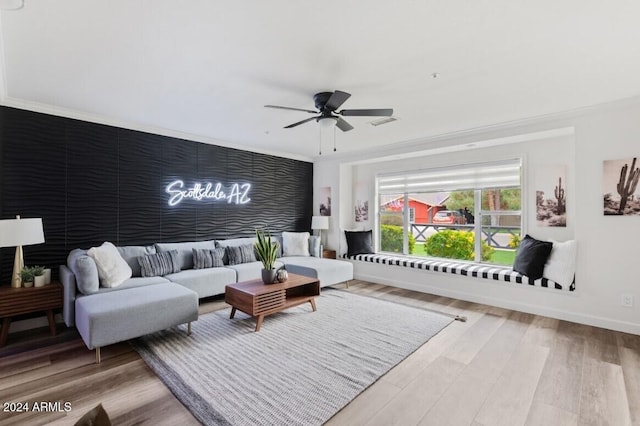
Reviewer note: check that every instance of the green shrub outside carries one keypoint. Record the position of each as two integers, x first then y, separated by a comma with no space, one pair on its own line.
391,239
392,219
454,244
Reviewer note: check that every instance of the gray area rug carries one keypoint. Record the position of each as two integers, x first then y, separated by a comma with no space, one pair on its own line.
300,369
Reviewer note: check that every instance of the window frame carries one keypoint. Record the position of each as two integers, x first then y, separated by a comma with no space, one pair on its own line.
478,212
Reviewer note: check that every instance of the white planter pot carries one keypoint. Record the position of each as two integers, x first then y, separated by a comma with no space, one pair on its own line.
39,281
47,276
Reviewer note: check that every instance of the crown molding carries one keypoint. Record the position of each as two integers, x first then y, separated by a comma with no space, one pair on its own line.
532,128
109,121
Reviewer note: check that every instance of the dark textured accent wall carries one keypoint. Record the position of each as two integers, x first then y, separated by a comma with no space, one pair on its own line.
92,183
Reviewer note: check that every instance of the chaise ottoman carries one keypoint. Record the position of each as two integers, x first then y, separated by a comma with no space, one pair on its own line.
116,316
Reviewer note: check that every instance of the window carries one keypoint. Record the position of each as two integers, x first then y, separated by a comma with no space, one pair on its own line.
470,212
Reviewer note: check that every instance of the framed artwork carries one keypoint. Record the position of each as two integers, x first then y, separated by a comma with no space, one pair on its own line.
620,187
361,205
325,201
551,196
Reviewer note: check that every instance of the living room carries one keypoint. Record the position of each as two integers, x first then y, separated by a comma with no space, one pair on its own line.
100,127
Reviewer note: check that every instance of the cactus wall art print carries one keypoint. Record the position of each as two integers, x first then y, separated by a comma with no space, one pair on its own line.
620,187
551,196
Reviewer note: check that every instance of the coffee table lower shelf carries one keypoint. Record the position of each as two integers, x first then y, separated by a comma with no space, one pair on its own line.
259,300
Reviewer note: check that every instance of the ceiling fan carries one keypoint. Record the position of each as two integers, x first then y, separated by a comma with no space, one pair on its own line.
327,103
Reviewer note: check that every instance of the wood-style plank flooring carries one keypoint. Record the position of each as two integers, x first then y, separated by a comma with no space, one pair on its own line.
501,367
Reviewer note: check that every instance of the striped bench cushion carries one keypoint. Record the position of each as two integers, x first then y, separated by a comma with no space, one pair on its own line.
489,272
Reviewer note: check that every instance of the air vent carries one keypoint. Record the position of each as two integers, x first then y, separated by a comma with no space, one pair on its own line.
383,120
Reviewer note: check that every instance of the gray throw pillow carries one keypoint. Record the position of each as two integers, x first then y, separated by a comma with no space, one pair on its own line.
85,270
314,246
163,263
241,254
207,258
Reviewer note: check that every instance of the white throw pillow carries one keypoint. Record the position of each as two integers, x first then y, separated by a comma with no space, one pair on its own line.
112,268
561,265
295,243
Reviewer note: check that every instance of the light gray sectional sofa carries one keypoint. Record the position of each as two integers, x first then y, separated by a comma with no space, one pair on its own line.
109,315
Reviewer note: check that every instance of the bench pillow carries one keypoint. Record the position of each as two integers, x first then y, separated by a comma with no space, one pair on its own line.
359,242
561,265
532,256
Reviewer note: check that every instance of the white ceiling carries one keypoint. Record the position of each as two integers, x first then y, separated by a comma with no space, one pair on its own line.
206,68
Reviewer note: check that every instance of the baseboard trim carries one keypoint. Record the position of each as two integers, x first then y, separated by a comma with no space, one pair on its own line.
576,317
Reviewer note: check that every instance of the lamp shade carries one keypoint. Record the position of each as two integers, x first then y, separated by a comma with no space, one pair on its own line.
320,222
21,232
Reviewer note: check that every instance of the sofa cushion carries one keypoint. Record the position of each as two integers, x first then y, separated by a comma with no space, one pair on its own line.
134,282
112,268
163,263
295,244
532,256
121,315
328,271
205,282
236,242
85,270
131,253
208,258
241,254
185,253
250,271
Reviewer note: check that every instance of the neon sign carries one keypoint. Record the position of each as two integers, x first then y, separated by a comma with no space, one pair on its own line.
236,193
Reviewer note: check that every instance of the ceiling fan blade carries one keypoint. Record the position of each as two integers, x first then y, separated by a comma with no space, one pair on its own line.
337,99
343,125
387,112
291,108
300,122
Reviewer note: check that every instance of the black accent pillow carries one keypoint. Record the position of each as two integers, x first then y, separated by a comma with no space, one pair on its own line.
532,256
359,242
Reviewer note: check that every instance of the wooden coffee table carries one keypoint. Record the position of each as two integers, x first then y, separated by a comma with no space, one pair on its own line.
259,300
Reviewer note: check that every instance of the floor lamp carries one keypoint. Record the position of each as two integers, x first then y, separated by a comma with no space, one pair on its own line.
17,233
320,223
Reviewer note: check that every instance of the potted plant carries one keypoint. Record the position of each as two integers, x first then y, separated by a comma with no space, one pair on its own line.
267,252
38,276
26,276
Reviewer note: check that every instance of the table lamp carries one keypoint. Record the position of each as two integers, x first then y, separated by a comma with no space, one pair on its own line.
320,223
17,233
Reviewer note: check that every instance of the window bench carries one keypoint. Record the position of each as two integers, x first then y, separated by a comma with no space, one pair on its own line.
475,270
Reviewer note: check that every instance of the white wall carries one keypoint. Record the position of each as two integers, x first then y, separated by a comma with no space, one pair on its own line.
607,246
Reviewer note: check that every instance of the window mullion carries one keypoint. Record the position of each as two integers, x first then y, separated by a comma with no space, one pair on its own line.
477,227
405,225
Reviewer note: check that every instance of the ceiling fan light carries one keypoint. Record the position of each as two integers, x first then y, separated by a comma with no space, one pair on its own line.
327,122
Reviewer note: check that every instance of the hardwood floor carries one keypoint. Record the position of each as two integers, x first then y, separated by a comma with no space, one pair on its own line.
499,367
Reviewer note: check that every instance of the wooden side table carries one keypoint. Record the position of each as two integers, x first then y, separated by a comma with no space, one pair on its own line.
18,301
328,254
